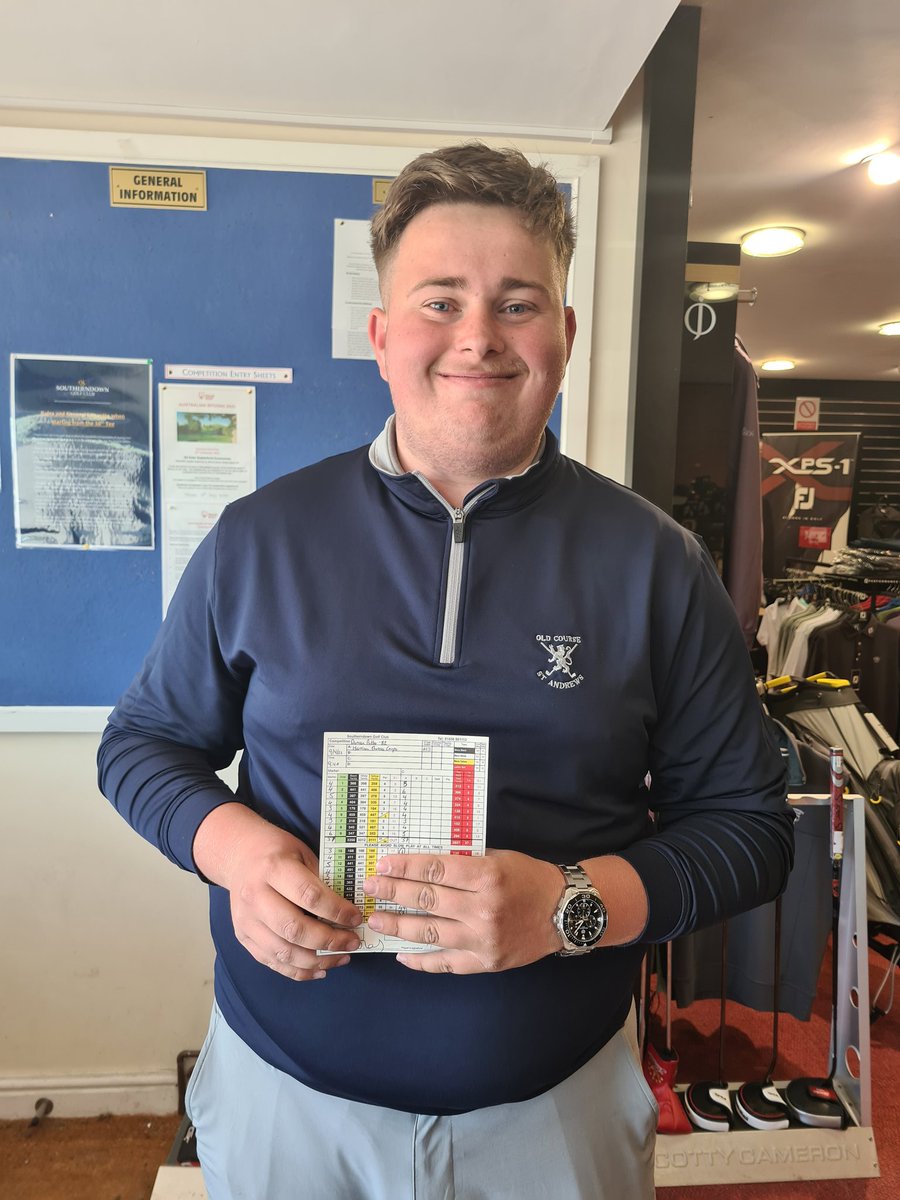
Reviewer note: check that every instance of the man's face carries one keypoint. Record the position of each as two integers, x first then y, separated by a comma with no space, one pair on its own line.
473,342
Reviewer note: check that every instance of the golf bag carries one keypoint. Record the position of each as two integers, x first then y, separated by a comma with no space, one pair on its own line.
821,712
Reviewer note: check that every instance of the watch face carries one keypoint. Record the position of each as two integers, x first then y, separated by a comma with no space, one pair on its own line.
584,920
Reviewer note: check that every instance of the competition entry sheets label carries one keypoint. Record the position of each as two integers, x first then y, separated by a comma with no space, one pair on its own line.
397,793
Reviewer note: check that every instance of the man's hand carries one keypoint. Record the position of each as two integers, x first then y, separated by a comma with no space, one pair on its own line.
279,906
487,914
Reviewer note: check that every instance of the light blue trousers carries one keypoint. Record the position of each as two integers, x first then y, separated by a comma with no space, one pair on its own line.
262,1135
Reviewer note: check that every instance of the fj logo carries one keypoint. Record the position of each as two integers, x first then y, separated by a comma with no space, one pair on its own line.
558,670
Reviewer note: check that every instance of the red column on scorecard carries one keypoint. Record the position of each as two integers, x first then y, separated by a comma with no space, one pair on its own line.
463,799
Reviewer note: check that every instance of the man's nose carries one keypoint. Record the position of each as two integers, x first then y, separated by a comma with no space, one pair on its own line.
480,331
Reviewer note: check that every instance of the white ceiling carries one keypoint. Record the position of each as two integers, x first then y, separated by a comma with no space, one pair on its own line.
499,65
790,94
788,90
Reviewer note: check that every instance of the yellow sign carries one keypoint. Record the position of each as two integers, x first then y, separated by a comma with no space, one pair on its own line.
380,190
156,187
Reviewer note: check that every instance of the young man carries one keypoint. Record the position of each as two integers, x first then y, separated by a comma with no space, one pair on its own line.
487,585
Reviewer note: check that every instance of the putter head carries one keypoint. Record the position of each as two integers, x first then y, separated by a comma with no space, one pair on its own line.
761,1106
815,1102
709,1107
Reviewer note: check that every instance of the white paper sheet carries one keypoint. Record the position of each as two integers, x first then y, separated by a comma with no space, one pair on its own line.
207,441
355,290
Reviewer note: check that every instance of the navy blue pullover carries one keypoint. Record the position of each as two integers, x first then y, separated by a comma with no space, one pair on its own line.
342,597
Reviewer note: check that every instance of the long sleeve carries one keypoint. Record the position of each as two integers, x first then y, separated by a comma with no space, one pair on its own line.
178,723
724,836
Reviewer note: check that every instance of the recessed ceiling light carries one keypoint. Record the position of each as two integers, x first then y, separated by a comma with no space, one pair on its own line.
714,293
890,329
779,364
884,168
774,241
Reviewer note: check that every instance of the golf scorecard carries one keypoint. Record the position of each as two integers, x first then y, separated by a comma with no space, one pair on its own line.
397,793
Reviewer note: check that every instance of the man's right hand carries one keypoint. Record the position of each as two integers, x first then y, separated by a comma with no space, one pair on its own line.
279,905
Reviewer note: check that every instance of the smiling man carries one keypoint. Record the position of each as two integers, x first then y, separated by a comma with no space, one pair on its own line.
473,343
460,575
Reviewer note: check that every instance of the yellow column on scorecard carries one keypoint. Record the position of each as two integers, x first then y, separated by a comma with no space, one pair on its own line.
372,836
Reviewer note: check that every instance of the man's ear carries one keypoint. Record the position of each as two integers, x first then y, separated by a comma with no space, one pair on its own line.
377,336
570,330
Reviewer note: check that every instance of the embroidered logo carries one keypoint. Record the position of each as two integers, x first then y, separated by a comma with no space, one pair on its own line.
558,671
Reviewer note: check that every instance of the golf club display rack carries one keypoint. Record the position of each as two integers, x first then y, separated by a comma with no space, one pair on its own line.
745,1155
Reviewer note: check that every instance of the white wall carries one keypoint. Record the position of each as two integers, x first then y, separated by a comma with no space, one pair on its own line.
106,960
106,967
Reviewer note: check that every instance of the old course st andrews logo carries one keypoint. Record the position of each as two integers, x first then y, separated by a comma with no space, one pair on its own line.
558,670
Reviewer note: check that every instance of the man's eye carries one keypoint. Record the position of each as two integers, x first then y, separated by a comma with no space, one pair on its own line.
516,308
440,306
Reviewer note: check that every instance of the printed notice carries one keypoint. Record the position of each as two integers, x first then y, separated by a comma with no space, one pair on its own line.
355,291
207,439
82,460
397,793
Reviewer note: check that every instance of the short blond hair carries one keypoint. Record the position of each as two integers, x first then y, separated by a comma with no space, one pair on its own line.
472,173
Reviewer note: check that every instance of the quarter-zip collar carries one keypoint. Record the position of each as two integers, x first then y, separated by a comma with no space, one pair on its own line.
494,497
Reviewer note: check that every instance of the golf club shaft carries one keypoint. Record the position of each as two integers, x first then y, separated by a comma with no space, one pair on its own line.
776,991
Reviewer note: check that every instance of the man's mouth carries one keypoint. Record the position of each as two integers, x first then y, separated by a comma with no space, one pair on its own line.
478,378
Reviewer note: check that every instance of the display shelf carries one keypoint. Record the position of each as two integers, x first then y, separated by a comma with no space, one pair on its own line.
768,1156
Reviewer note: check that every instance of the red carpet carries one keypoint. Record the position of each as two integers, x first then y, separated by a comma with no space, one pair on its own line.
803,1050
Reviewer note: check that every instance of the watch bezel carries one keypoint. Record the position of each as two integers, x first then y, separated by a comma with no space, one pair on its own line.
579,889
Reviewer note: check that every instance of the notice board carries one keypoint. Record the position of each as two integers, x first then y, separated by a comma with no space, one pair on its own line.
248,280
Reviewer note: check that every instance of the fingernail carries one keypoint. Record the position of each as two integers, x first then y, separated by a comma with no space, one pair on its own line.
403,960
369,886
343,960
376,922
383,867
319,975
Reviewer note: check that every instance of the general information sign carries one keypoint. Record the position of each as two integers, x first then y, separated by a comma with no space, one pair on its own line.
157,187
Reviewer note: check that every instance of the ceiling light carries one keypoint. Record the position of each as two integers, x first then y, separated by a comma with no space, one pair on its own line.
714,293
772,242
890,329
778,364
884,168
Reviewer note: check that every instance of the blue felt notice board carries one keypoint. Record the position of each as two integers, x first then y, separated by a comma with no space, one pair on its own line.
247,282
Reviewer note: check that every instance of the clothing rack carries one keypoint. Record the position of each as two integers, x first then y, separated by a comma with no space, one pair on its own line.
847,589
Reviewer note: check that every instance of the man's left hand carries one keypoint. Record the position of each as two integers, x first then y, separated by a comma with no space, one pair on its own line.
486,914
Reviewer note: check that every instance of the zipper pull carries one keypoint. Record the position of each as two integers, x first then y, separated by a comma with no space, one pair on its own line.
459,525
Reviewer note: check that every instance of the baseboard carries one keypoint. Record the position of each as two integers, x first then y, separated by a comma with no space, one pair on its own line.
155,1092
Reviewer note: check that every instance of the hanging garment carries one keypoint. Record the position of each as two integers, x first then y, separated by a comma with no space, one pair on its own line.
867,654
795,659
773,617
743,572
880,525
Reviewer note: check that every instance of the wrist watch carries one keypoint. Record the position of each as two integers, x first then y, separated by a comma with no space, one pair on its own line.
581,917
